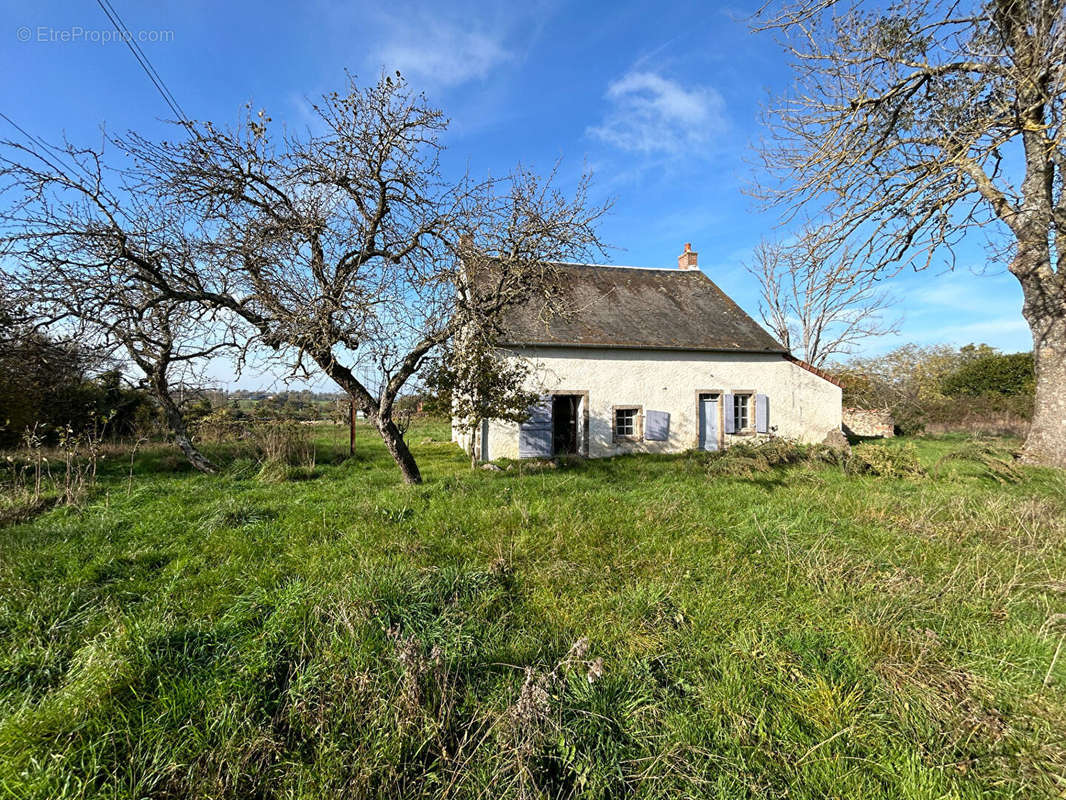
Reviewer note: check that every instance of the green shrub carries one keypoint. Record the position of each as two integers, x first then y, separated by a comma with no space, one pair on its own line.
885,462
1005,374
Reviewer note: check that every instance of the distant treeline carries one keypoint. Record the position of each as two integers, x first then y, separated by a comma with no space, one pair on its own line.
49,386
296,395
975,387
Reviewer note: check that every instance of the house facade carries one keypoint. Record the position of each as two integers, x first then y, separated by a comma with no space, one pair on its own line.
655,361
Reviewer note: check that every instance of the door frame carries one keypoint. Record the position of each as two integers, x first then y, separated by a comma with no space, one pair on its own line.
721,416
583,416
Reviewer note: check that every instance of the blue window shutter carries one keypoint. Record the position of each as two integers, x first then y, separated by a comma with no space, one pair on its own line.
762,413
727,408
656,426
535,434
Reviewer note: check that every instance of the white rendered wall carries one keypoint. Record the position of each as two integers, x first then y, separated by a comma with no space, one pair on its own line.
802,405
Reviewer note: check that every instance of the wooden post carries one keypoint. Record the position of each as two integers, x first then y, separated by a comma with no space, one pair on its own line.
351,428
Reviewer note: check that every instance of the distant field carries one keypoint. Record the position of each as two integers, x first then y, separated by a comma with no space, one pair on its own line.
626,627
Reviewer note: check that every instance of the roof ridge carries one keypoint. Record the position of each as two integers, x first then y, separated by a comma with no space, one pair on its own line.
622,266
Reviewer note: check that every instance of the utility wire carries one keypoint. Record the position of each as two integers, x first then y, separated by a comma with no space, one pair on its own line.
34,140
65,158
142,59
65,164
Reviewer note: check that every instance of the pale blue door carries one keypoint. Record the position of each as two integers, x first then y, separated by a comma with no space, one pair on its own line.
708,422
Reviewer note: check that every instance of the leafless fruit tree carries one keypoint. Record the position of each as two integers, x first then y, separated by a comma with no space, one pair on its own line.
914,122
816,305
344,248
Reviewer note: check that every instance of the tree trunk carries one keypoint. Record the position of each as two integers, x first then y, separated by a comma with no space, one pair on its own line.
362,399
473,444
1044,308
351,427
1046,442
176,423
397,447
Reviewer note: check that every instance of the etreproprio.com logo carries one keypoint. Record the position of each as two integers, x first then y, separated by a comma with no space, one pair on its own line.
76,34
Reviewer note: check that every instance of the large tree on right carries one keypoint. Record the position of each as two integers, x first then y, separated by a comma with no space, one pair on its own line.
913,125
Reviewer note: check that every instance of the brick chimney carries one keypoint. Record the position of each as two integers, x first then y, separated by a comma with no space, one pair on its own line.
687,260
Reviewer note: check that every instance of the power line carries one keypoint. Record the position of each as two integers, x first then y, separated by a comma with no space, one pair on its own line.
142,59
158,79
66,165
34,140
63,157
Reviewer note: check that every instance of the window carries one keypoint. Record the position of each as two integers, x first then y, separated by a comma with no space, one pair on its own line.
627,422
741,412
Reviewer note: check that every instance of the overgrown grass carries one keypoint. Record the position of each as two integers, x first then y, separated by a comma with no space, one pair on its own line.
644,626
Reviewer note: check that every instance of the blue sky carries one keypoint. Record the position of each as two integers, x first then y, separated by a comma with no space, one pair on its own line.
660,100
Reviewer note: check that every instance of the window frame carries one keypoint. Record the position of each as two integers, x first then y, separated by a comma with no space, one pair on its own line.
638,424
748,398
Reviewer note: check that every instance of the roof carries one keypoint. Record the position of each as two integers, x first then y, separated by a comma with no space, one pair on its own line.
821,373
636,307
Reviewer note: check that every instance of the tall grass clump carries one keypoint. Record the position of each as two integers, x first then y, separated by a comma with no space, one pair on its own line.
885,462
286,449
36,476
996,461
284,443
747,460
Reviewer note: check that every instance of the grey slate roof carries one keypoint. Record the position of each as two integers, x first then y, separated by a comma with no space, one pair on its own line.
638,308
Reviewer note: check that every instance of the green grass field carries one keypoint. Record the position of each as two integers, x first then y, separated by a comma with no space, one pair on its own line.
626,627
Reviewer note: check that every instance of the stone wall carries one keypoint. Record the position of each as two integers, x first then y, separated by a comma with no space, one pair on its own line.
868,422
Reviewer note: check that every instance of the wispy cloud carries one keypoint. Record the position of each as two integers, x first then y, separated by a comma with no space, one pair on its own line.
443,45
652,114
1005,332
969,292
441,53
958,308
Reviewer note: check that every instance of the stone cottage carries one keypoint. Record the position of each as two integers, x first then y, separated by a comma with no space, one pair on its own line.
653,360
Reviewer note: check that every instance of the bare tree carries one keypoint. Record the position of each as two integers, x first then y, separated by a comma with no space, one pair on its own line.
914,122
346,251
815,305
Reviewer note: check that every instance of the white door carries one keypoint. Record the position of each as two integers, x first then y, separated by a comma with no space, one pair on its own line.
708,422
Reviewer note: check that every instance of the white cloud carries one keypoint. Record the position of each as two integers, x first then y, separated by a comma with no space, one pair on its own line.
434,52
435,45
653,114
